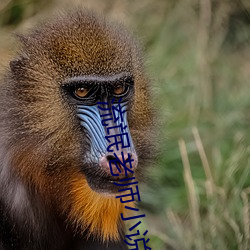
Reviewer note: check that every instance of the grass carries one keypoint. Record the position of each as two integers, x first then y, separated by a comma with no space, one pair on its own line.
199,58
201,189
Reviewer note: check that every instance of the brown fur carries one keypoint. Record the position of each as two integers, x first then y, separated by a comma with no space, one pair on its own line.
40,135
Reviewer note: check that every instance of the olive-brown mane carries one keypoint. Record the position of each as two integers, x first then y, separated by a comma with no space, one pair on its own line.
41,146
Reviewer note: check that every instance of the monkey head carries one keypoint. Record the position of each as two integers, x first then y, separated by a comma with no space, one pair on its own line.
70,74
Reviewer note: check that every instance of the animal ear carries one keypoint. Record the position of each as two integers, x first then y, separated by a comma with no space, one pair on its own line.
16,64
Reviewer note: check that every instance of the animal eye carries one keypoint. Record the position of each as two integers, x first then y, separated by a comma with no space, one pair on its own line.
119,89
81,92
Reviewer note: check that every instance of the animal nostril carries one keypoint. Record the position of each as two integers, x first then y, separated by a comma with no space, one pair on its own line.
110,157
129,156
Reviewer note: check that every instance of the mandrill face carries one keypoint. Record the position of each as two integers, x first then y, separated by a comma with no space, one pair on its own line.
101,103
56,127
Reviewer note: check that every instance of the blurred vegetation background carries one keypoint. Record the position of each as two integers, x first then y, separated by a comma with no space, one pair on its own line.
198,55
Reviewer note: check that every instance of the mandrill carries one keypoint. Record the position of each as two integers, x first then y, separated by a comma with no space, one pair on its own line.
56,186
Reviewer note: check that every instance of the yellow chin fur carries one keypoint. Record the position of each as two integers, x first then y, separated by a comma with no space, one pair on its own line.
98,213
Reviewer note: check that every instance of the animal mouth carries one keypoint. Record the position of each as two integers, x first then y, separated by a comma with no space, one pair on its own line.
108,184
125,180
